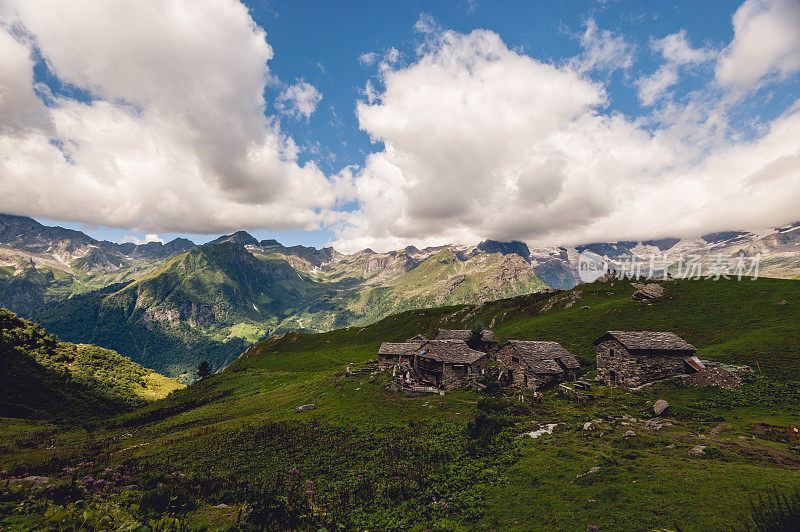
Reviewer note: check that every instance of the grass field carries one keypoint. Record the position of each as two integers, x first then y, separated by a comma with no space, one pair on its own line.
232,448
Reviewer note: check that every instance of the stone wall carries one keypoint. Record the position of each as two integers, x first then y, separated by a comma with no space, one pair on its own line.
454,375
631,370
387,361
523,375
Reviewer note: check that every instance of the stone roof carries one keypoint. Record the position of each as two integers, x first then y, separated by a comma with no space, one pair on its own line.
543,357
417,338
649,341
465,334
450,351
399,348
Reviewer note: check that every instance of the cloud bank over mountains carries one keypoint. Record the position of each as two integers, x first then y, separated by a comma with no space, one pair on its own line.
171,131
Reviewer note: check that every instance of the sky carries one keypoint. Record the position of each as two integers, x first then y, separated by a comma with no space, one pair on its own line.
387,124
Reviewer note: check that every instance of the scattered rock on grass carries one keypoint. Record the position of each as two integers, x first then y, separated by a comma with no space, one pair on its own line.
697,450
660,406
630,434
595,469
305,408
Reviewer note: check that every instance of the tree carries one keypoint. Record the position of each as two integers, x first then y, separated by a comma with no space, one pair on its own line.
476,338
203,370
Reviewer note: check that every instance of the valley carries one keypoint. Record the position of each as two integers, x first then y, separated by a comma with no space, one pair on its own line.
230,448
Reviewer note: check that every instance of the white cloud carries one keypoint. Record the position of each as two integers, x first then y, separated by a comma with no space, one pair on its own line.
175,137
481,141
675,48
602,50
298,100
677,53
766,42
149,237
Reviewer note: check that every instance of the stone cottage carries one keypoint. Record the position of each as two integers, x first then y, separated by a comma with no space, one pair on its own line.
488,340
391,353
633,358
529,364
449,363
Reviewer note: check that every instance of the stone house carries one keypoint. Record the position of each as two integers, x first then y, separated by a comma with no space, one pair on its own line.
391,353
633,358
529,364
449,363
488,339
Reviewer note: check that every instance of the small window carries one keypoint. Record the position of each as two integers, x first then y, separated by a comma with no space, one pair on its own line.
514,359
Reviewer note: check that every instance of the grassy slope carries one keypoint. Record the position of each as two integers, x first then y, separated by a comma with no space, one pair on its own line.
46,378
222,426
206,303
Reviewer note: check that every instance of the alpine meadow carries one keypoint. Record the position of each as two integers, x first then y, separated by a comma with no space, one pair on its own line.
441,266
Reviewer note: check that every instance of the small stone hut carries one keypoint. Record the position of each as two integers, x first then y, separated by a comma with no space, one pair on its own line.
488,339
529,364
391,353
449,363
633,358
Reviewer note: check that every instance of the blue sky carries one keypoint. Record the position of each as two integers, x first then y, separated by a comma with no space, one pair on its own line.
606,49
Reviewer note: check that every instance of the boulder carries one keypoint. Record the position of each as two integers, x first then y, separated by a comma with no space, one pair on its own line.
630,434
697,450
660,406
305,408
783,302
647,291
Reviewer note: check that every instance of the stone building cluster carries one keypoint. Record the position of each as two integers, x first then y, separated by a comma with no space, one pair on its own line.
456,358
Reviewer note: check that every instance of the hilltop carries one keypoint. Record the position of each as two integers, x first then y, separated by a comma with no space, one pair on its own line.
46,378
380,460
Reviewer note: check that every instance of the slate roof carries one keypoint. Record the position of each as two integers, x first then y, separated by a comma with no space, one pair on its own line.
543,357
450,351
465,334
649,341
417,338
399,348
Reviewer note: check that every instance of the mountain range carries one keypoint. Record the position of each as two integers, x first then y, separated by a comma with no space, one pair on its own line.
169,306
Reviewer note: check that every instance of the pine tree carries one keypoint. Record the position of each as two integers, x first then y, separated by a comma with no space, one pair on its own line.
203,370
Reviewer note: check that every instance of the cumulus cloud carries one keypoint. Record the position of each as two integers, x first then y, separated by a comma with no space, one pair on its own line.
480,141
676,53
173,136
766,42
298,100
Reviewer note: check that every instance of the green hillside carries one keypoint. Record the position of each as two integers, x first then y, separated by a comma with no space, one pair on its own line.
233,449
46,378
211,302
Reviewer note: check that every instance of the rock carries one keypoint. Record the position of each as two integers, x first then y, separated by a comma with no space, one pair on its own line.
697,450
670,446
34,481
585,307
653,424
660,406
305,408
629,434
784,302
222,505
648,291
714,376
588,426
595,469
